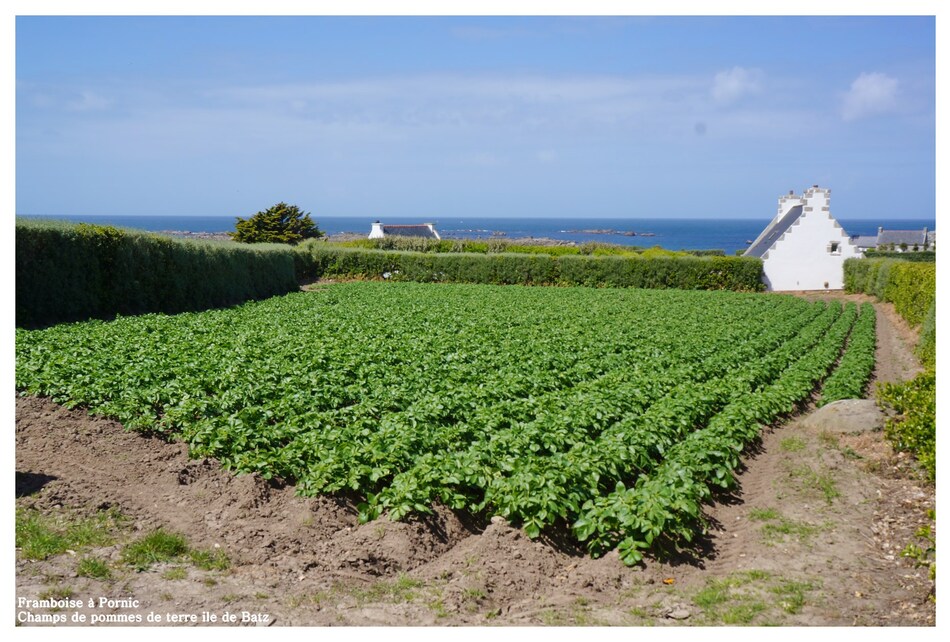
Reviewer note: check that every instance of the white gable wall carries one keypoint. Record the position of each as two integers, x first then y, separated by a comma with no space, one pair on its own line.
802,258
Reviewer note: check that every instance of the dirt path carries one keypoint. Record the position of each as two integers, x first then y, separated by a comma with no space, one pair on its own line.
812,537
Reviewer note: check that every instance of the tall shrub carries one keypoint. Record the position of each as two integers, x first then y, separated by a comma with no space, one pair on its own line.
73,272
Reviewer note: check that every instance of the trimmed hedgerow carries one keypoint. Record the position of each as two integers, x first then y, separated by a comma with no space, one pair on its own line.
651,270
927,345
71,272
910,286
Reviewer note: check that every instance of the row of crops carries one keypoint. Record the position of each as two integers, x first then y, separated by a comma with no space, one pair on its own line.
616,413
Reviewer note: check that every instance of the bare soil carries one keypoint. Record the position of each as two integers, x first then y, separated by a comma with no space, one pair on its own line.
812,536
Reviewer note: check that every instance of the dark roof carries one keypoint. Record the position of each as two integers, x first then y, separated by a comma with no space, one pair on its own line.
773,233
864,241
409,230
886,237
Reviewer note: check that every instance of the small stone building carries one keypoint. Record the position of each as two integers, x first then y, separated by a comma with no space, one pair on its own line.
803,247
896,240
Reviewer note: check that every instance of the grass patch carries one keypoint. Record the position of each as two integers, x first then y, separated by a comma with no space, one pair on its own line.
640,613
319,598
822,482
175,573
791,595
784,528
437,606
778,528
163,546
792,444
402,589
158,546
751,597
743,613
210,560
473,594
57,593
764,514
40,536
94,568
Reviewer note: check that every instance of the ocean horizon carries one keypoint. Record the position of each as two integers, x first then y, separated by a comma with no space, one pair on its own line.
728,235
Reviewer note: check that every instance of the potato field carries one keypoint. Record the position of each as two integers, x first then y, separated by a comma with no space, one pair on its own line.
612,413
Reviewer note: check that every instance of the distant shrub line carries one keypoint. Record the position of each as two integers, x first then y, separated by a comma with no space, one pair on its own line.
67,272
501,245
916,257
317,259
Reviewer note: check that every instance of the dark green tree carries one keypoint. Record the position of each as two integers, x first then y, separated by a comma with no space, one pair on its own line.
281,223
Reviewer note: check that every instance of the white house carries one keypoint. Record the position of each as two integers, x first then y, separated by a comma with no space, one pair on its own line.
804,247
426,230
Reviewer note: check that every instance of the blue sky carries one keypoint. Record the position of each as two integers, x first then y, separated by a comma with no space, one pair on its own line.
474,116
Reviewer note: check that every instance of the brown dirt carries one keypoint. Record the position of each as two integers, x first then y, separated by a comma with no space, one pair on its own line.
812,536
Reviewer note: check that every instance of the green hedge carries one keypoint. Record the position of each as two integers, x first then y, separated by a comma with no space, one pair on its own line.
501,245
910,286
67,272
917,257
316,259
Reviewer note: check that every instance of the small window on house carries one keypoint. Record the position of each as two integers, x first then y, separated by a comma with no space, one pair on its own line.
834,247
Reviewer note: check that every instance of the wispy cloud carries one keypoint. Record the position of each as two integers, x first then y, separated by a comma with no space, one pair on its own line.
446,118
89,101
870,94
731,85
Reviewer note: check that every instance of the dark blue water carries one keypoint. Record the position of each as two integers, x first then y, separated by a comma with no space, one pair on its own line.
728,235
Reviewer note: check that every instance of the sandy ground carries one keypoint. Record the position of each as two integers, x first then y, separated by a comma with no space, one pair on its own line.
813,536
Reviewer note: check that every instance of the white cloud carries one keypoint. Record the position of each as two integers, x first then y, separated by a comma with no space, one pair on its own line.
870,93
731,85
89,101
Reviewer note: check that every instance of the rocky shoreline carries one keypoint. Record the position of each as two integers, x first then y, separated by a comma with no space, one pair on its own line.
354,236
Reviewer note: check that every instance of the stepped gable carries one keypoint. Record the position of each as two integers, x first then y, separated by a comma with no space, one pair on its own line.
803,247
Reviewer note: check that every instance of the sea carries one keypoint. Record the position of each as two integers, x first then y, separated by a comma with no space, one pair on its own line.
728,235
